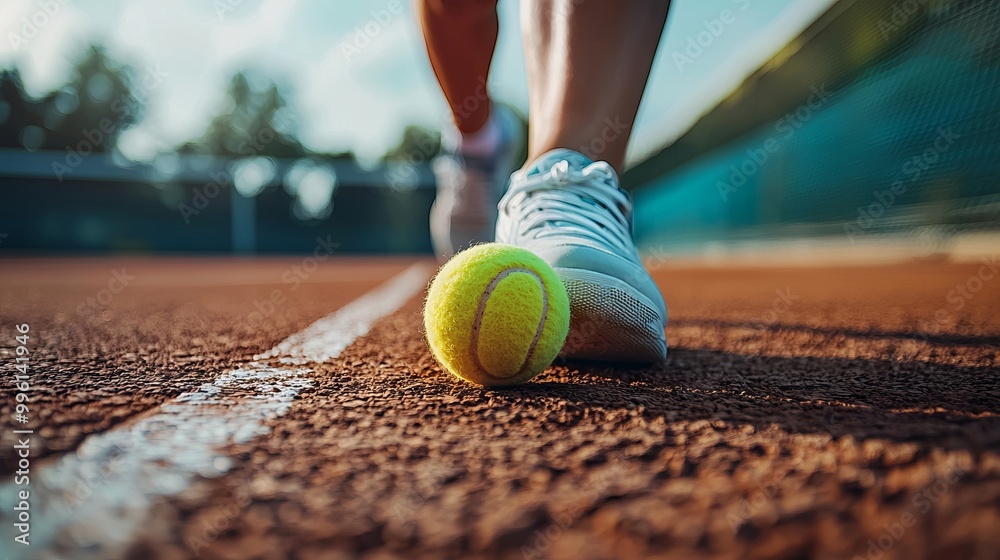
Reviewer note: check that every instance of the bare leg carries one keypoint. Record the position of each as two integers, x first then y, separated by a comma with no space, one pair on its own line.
461,36
588,62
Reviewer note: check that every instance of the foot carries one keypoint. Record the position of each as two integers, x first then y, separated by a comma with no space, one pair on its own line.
470,186
571,212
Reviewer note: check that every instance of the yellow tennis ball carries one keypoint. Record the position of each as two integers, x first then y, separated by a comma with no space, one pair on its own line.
496,315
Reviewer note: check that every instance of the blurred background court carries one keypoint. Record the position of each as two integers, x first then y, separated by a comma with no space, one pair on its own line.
802,412
257,127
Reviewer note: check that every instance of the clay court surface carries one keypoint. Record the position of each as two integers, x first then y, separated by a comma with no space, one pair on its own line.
802,413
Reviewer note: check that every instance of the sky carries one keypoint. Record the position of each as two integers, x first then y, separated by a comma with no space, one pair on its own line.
356,72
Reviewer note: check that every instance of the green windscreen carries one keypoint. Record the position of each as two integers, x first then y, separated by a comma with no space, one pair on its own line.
882,117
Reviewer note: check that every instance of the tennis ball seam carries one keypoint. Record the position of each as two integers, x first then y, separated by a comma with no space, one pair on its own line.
481,310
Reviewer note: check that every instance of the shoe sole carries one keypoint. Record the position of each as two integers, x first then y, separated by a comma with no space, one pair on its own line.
610,320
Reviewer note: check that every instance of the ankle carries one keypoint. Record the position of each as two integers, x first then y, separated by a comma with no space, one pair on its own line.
593,146
484,141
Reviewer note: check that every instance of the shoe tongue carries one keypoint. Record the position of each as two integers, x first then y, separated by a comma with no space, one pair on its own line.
546,161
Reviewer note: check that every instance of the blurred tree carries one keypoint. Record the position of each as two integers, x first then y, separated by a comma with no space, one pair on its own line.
416,145
254,122
15,109
86,114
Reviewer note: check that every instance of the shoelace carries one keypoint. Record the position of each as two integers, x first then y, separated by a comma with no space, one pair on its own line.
571,201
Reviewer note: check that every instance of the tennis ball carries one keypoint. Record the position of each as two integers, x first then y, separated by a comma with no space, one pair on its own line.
496,315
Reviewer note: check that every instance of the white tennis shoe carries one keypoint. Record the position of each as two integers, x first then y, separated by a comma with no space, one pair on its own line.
571,212
468,188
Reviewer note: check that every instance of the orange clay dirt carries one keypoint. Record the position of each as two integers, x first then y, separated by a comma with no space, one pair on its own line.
802,413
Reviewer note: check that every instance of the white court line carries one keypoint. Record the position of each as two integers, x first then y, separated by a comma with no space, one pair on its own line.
90,503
